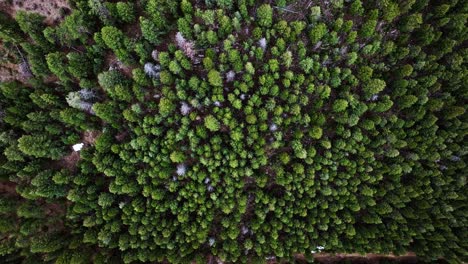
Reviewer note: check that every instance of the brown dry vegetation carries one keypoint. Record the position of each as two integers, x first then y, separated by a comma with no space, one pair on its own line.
295,10
52,10
89,137
114,63
326,258
8,69
70,161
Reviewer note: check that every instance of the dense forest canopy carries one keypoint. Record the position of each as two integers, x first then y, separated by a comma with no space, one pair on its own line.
236,130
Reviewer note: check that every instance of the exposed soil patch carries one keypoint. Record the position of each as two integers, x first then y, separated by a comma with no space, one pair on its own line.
70,161
296,10
115,64
89,137
6,6
8,69
54,209
121,136
326,258
51,79
133,30
52,10
8,189
8,72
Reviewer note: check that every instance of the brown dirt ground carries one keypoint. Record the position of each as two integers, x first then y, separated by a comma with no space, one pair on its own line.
326,258
70,161
89,137
8,72
296,10
8,69
48,8
112,61
7,188
52,10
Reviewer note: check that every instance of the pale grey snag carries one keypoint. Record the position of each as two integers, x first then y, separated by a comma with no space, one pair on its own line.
211,241
181,169
79,99
230,76
273,127
185,109
262,43
155,55
152,70
186,46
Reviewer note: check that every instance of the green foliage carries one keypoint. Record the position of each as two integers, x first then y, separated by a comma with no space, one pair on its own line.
374,86
115,39
32,25
186,7
233,131
391,10
211,123
315,13
356,8
46,244
340,105
365,73
454,111
368,28
57,65
74,29
411,22
149,30
79,66
215,78
177,157
166,106
126,11
9,29
109,79
265,15
317,32
40,146
107,112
